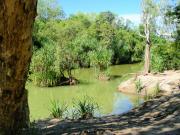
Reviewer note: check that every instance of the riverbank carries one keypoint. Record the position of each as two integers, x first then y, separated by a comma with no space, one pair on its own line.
158,116
165,83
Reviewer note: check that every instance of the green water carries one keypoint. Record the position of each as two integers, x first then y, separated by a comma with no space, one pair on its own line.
103,92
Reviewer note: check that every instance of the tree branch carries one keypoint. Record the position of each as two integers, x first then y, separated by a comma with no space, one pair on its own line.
141,35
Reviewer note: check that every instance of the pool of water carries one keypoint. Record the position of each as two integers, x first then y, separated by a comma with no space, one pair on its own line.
104,93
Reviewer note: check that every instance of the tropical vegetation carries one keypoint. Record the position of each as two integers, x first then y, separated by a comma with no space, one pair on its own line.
81,40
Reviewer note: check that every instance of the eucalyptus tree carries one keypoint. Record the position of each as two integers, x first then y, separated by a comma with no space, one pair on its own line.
16,17
149,14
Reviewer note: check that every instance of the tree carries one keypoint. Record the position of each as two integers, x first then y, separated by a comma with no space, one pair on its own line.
16,19
84,44
101,59
149,12
49,10
106,17
42,67
174,15
66,59
45,26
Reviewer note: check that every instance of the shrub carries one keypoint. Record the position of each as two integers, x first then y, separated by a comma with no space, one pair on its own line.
100,59
158,64
42,68
66,59
165,57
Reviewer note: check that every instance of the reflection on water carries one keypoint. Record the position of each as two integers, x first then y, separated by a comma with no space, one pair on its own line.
103,92
121,104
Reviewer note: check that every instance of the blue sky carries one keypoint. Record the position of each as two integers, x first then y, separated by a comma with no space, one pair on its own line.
129,9
117,6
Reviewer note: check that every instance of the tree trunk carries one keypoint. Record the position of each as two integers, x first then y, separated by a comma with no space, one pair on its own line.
16,21
147,59
148,45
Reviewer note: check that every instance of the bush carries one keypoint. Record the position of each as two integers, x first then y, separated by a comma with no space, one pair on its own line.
165,57
101,59
66,59
83,45
42,69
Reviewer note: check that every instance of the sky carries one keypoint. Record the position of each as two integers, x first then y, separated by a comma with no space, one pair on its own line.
128,9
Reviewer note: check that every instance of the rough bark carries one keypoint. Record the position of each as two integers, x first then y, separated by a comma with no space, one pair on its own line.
147,59
16,21
148,43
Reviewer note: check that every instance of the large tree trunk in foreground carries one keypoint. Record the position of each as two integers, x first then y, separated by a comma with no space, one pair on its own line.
16,21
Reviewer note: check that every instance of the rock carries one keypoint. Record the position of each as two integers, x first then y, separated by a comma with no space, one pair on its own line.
127,86
166,82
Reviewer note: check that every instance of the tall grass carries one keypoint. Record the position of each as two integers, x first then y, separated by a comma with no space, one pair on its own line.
139,86
154,94
156,90
85,108
57,109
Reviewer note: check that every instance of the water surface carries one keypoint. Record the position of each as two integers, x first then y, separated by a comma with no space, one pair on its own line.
104,93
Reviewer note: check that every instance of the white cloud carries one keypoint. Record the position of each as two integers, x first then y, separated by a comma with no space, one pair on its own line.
135,18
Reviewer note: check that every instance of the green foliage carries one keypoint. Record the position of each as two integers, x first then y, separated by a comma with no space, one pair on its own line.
84,44
91,40
42,68
85,108
101,58
57,110
165,57
106,17
129,47
66,59
49,10
158,64
150,13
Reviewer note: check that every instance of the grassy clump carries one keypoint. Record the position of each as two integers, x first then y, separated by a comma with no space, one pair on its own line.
154,94
85,108
156,90
57,109
139,86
